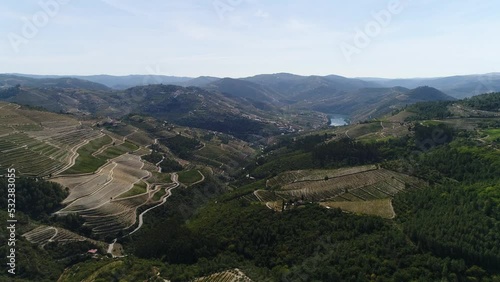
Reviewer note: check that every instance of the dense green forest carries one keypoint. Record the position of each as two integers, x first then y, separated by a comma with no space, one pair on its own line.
237,126
34,197
166,164
449,231
453,220
313,152
485,102
35,200
181,146
309,244
6,93
429,110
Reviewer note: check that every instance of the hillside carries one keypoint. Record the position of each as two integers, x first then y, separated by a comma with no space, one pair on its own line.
7,81
186,203
39,143
197,108
254,99
460,86
187,106
368,103
259,96
290,85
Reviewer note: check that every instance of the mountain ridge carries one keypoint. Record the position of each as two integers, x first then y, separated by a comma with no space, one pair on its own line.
289,85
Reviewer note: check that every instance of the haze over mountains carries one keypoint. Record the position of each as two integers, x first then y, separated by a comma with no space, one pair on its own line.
287,84
217,100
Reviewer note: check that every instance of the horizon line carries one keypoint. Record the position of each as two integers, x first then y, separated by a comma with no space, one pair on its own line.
222,77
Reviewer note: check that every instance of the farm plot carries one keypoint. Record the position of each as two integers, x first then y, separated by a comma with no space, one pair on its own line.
233,275
227,156
86,161
362,186
12,116
121,129
250,197
318,174
71,138
47,119
493,134
267,196
142,151
106,219
190,177
218,157
214,152
29,156
96,197
160,192
4,130
39,143
43,235
381,207
117,150
139,188
140,138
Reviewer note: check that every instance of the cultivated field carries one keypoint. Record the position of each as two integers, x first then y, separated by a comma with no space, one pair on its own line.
363,189
233,275
43,235
362,186
314,174
190,177
224,156
493,134
382,207
96,196
108,199
39,143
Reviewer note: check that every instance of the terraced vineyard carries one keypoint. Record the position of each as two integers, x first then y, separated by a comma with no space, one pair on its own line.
190,177
363,189
43,235
362,186
224,156
267,196
381,207
103,170
39,143
233,275
314,174
96,196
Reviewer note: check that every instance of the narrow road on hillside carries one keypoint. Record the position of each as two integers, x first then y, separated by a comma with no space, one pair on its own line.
74,154
382,133
164,199
199,181
347,134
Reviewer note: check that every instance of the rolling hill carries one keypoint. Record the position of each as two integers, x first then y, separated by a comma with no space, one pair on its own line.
460,86
7,80
291,86
189,106
259,96
368,102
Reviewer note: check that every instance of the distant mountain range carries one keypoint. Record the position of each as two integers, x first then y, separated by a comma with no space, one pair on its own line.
8,80
224,104
288,85
460,86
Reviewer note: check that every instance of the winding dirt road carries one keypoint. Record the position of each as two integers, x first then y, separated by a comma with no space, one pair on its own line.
174,178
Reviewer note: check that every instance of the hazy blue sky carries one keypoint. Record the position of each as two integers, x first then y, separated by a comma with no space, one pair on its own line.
238,38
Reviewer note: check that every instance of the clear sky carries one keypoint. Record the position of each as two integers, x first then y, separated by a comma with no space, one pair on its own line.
237,38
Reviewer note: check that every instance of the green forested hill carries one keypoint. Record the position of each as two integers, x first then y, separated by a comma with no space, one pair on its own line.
485,102
445,230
